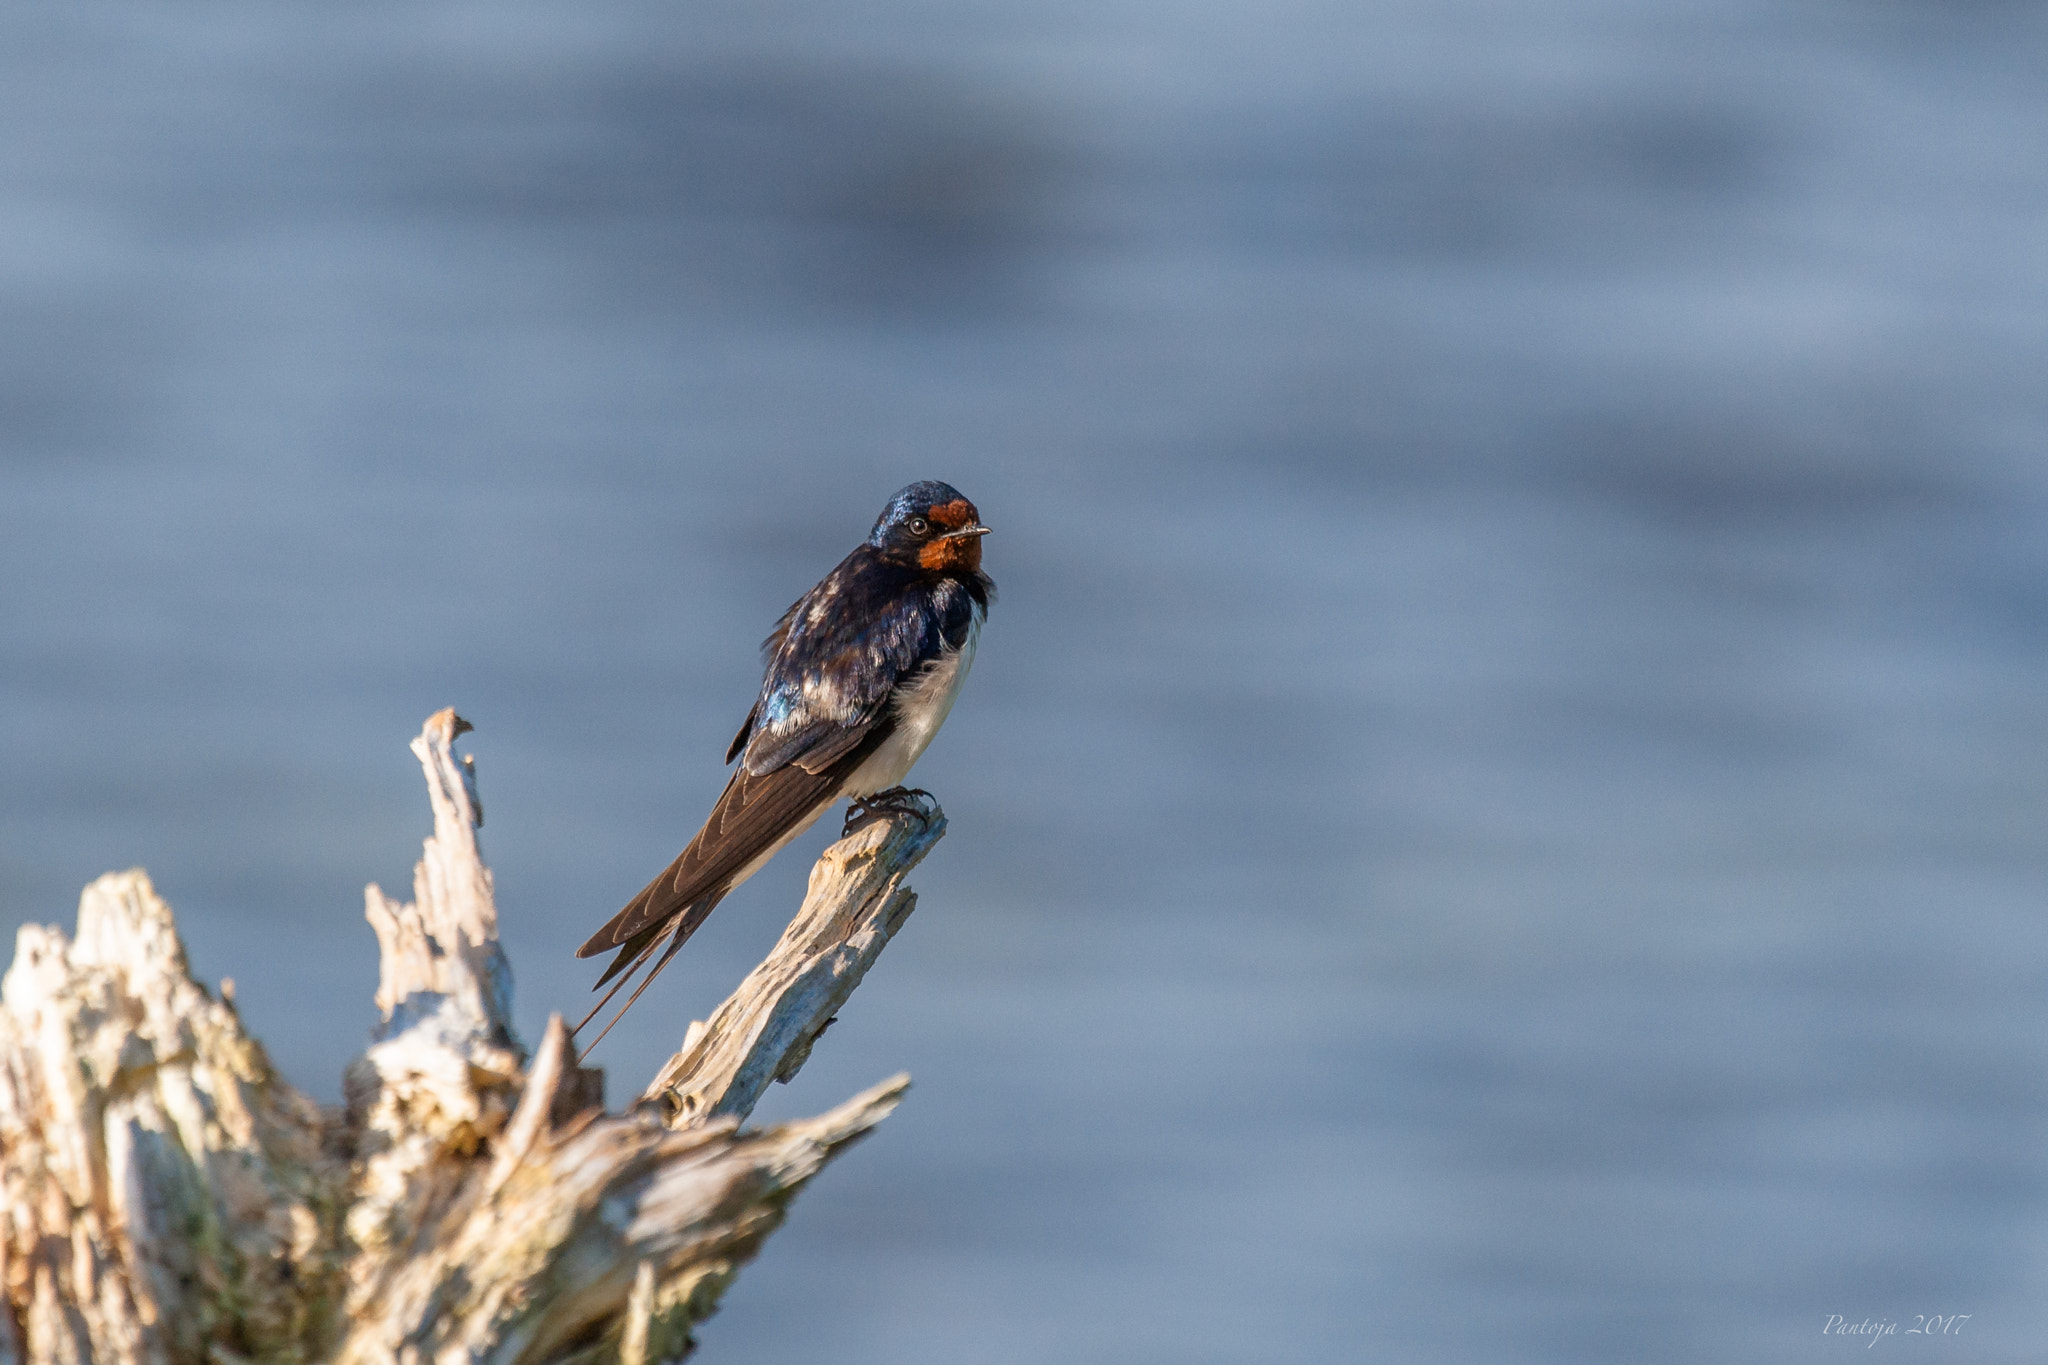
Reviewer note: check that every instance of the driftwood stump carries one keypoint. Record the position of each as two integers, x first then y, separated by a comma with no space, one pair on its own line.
168,1197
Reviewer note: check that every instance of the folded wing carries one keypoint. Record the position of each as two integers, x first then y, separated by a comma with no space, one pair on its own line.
754,815
833,662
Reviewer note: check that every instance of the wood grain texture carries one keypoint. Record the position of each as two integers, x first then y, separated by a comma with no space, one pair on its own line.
166,1197
764,1030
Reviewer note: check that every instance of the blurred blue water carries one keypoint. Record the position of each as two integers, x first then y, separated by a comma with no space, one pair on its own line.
1500,813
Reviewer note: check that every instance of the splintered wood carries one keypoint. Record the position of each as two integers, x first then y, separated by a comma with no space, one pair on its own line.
764,1031
167,1197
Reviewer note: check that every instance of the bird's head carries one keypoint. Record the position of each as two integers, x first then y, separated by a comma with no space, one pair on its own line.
932,525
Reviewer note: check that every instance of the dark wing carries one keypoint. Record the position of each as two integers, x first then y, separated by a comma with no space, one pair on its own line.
836,656
770,647
751,817
739,741
833,661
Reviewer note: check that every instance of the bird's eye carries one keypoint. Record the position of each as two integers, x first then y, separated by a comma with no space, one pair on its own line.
918,526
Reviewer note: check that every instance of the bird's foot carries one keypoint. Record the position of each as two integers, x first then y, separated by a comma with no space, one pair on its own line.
913,801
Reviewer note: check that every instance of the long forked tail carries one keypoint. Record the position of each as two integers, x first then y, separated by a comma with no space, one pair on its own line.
633,955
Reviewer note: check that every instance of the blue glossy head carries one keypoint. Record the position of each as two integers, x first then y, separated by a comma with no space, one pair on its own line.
934,524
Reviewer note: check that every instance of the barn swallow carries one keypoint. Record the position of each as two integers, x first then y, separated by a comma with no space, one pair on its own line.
860,674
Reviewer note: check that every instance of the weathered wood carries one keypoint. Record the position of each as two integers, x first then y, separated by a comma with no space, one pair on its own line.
167,1197
764,1030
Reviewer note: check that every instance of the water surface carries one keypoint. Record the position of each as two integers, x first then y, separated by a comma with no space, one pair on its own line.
1499,815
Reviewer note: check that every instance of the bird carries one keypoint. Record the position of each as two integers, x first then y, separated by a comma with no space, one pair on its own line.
858,676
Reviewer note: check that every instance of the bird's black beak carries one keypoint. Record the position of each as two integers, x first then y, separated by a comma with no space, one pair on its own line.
965,531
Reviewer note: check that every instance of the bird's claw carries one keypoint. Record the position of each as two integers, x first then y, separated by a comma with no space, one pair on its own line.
912,801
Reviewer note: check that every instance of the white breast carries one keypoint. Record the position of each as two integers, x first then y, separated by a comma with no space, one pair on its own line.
921,707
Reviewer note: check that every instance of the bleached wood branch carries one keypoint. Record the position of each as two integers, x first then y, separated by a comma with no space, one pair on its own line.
764,1030
444,945
167,1197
